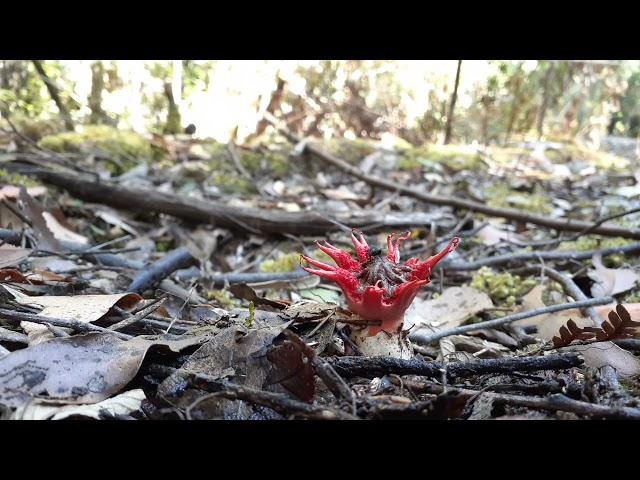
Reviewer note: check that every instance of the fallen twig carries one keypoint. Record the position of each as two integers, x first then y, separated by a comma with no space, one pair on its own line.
279,402
536,256
139,315
425,338
14,316
156,271
324,370
7,335
370,367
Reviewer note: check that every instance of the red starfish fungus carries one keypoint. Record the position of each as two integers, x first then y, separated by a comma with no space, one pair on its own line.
377,287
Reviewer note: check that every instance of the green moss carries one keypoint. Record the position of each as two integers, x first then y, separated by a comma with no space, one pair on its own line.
598,159
285,262
351,151
230,183
7,178
222,298
36,129
163,245
592,242
453,157
503,288
124,147
499,195
278,162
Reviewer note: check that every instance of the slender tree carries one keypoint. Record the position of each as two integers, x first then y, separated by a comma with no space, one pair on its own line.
55,94
452,105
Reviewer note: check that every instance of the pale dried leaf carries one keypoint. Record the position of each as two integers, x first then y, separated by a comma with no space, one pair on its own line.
11,256
548,324
84,308
123,404
62,233
600,354
452,308
82,369
10,191
490,235
610,281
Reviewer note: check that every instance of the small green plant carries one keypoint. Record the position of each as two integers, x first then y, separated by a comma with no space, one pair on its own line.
252,311
503,288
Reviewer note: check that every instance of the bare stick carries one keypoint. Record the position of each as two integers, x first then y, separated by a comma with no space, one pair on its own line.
527,256
157,271
426,338
14,316
370,367
139,315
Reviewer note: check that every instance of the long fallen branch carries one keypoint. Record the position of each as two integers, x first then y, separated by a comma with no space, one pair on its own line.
426,338
370,367
254,220
508,213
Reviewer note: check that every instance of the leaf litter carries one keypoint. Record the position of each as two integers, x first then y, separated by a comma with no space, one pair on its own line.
218,348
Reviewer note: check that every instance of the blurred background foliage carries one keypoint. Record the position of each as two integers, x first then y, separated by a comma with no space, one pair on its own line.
408,102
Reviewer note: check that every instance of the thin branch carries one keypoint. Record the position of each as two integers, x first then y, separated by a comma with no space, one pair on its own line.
14,316
508,213
370,367
536,256
426,338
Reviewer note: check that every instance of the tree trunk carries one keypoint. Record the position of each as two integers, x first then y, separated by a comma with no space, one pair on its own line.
452,105
55,94
545,101
95,97
173,124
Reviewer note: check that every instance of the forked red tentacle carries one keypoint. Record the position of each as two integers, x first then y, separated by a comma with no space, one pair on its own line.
360,244
393,248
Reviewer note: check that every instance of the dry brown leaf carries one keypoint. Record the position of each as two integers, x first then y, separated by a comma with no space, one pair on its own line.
610,281
34,212
84,308
571,332
618,325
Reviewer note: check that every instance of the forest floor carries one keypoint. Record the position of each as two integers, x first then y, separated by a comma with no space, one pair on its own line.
159,278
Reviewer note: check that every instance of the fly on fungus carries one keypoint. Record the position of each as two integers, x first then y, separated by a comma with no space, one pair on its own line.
377,286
